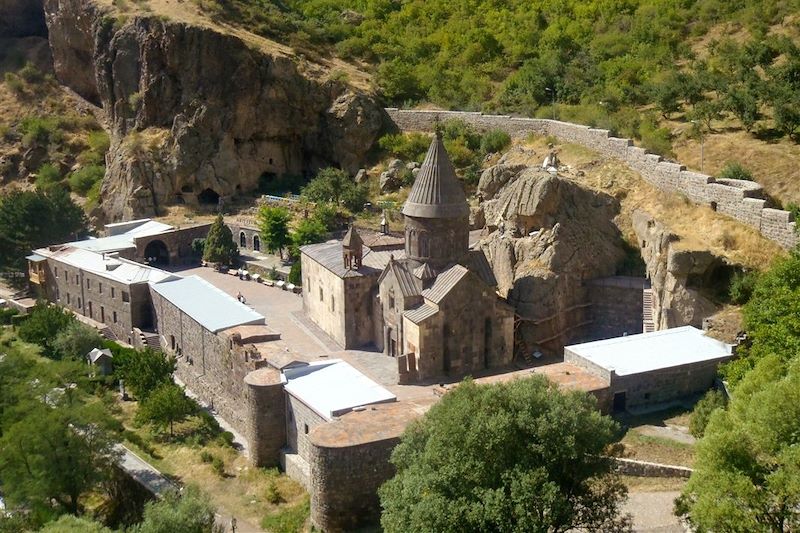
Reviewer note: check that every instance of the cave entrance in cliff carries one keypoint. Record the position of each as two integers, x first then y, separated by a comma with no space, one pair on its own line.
208,197
156,253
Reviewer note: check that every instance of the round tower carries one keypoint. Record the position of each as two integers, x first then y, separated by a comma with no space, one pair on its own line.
436,212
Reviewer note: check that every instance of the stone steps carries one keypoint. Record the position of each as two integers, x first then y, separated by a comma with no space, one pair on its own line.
648,324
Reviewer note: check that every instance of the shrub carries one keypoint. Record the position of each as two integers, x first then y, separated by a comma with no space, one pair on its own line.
43,325
709,403
273,495
494,141
206,456
295,275
14,83
408,146
47,175
657,140
218,465
93,195
31,74
82,180
6,315
38,131
742,285
735,171
225,438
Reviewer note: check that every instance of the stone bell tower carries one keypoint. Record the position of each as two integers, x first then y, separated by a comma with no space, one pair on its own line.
352,249
436,212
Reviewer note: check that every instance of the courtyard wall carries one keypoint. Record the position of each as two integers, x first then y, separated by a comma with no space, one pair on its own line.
741,200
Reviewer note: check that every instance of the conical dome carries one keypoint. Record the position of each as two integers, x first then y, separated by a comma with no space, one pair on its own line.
437,192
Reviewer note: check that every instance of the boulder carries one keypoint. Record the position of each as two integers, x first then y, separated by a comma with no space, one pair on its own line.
361,176
494,178
392,178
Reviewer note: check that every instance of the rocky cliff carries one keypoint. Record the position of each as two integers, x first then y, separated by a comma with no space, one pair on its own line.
195,114
681,278
22,18
548,236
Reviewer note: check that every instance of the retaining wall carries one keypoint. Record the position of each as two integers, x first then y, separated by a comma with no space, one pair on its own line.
632,467
741,200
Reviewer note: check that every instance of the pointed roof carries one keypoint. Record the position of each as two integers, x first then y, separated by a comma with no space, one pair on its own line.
352,239
424,272
437,192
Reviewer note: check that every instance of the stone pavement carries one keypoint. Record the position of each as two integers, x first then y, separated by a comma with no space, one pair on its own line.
652,512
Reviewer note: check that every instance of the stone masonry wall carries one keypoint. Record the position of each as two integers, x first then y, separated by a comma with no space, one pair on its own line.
740,200
345,482
616,306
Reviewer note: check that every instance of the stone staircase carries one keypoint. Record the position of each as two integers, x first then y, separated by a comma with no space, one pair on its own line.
648,324
108,334
150,339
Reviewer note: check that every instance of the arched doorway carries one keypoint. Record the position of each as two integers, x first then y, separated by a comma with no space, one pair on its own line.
256,243
208,196
242,240
156,253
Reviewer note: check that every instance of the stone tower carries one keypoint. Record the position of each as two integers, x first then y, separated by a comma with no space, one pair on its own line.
352,249
436,212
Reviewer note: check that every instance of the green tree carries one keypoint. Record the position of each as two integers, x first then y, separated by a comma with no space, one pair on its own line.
273,222
337,187
219,246
520,456
747,471
166,405
188,512
43,325
57,453
703,410
308,231
32,219
735,171
75,341
144,370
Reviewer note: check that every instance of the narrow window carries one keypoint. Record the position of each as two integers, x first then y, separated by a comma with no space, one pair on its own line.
305,428
55,271
112,292
333,303
320,294
126,297
115,317
100,288
79,303
68,299
88,284
172,342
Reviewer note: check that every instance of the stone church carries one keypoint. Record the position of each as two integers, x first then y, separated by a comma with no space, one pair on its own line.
428,299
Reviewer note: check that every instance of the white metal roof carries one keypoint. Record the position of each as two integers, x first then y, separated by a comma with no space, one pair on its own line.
646,352
332,388
97,353
124,240
114,268
212,308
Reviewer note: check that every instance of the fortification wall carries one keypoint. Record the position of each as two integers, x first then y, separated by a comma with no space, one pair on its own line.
345,481
740,200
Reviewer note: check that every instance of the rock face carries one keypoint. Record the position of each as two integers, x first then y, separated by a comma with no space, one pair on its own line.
22,18
196,115
677,275
392,178
549,236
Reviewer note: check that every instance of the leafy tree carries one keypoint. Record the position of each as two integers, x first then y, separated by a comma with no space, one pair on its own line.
520,456
709,403
219,246
43,325
32,219
771,318
494,141
144,370
408,146
747,471
75,341
743,101
166,405
82,180
274,225
187,512
337,187
198,247
73,524
742,286
56,453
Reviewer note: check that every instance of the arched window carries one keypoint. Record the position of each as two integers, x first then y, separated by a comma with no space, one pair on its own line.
256,243
424,247
242,240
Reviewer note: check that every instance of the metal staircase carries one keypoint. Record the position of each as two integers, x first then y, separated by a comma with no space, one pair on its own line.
648,324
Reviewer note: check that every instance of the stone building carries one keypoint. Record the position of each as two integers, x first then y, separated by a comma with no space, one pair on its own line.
652,368
432,304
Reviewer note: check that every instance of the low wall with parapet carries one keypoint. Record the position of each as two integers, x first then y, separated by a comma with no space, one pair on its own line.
741,200
632,467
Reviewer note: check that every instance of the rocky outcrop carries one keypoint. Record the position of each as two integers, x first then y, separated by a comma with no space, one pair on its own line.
679,277
493,178
548,236
195,114
391,179
22,18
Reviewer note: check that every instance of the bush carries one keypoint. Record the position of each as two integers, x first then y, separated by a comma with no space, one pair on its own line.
709,403
206,456
40,131
6,315
31,74
218,465
735,171
742,285
289,519
43,325
295,276
76,341
407,146
82,180
47,175
14,83
273,495
494,141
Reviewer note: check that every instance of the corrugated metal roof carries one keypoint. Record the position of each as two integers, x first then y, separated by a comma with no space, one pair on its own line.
437,192
36,257
424,272
209,306
421,313
646,352
332,388
444,283
125,240
408,283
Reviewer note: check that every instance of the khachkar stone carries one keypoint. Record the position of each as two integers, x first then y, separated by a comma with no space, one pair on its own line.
436,212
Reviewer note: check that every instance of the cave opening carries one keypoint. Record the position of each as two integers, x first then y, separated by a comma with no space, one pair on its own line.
209,197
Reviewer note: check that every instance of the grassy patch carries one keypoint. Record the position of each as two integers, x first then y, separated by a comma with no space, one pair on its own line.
289,518
657,449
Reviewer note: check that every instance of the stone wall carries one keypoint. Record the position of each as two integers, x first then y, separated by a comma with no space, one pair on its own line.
265,428
616,306
178,242
740,200
300,420
322,289
632,467
345,482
